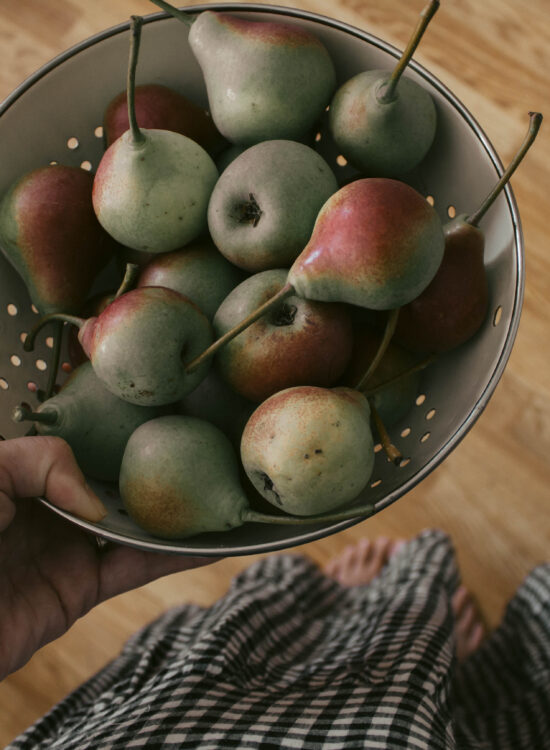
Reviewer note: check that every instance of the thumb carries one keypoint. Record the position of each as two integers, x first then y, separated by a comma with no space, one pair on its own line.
35,466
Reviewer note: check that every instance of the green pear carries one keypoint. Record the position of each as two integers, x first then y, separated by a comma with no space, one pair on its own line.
152,187
94,422
309,450
383,122
264,79
264,205
198,271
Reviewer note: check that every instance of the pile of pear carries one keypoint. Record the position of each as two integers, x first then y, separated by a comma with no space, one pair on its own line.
242,354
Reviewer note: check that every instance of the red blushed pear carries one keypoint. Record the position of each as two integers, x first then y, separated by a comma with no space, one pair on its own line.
376,243
160,107
298,342
138,344
50,234
454,305
265,80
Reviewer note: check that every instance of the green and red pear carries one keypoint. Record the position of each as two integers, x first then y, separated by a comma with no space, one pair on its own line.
298,342
50,234
377,243
455,304
162,108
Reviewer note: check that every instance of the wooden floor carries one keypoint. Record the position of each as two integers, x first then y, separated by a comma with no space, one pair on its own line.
493,493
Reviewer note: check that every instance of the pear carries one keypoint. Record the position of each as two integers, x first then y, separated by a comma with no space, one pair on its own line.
264,205
152,187
265,80
50,234
383,122
138,343
299,342
91,420
198,271
162,108
308,450
376,243
180,477
454,305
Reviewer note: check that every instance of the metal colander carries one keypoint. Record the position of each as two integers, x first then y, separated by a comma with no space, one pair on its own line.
56,115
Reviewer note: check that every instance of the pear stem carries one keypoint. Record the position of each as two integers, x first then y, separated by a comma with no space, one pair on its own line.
286,291
387,92
22,413
409,371
535,120
129,281
391,324
56,356
287,520
186,18
137,136
28,344
393,453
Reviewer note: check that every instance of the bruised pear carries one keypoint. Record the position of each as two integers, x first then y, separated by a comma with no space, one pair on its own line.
309,450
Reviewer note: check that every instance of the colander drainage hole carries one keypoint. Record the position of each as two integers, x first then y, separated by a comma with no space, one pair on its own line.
318,137
451,212
15,360
41,365
4,384
431,414
341,160
86,165
73,143
430,199
12,309
497,317
378,447
420,399
406,432
375,483
425,436
98,132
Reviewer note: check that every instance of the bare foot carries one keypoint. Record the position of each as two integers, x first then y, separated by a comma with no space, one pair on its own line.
360,563
469,627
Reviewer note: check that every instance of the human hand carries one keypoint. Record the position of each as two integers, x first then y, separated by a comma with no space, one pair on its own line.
51,571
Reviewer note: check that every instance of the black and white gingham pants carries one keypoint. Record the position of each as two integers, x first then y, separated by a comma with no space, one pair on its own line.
290,659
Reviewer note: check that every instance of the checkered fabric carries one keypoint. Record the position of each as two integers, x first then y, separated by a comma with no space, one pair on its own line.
290,659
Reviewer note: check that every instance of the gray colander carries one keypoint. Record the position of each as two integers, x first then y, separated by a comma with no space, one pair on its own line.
56,115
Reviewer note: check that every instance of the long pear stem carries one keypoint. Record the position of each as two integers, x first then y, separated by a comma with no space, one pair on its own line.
393,453
137,136
387,93
391,324
286,520
282,294
186,18
56,356
22,413
28,344
535,120
129,281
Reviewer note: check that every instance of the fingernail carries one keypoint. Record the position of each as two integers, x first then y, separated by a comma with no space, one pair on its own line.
91,508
